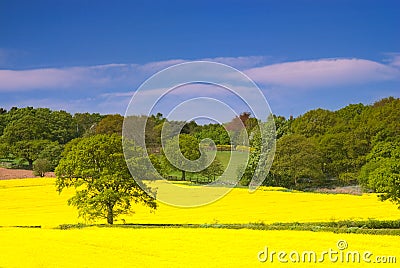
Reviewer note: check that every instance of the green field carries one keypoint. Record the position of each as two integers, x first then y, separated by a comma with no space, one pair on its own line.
234,158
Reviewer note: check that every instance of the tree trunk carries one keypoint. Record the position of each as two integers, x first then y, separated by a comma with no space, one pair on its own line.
183,175
30,161
110,214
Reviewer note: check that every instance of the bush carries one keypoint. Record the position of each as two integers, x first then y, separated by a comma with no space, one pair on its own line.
41,166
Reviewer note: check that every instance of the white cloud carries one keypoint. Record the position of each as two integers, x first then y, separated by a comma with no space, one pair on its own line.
40,78
75,78
299,74
323,72
107,76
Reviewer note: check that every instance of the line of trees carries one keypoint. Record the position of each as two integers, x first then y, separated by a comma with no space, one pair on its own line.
321,146
358,144
29,134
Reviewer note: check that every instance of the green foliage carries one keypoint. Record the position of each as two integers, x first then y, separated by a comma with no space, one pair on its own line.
360,227
343,155
215,132
215,169
84,123
37,124
52,152
61,127
110,124
30,133
187,146
3,121
30,150
153,129
26,128
346,141
381,173
156,162
96,167
41,166
314,123
262,151
4,150
190,128
283,126
296,157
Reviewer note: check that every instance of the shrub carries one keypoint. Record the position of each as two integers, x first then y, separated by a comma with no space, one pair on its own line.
41,166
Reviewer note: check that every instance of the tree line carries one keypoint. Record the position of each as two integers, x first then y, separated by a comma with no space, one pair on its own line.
356,144
318,148
328,146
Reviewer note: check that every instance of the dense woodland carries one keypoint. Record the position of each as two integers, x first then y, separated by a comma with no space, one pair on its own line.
321,148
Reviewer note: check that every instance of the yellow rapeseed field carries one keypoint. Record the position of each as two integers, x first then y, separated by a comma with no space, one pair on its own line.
179,247
36,202
29,202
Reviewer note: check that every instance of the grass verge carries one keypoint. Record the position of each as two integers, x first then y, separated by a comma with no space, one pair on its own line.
348,226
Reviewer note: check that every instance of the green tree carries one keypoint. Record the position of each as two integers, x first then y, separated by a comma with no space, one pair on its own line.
188,148
3,121
41,166
153,129
296,157
110,124
283,126
314,123
85,123
96,167
190,128
215,169
25,128
157,164
381,173
52,152
4,150
41,123
215,132
61,127
30,150
262,151
343,155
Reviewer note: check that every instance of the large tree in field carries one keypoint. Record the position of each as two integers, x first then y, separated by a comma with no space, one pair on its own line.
96,167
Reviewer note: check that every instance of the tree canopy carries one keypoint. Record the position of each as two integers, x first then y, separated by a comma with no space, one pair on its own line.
296,157
381,173
340,147
182,152
96,167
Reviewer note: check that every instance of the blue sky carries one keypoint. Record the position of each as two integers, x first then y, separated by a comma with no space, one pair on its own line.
92,55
